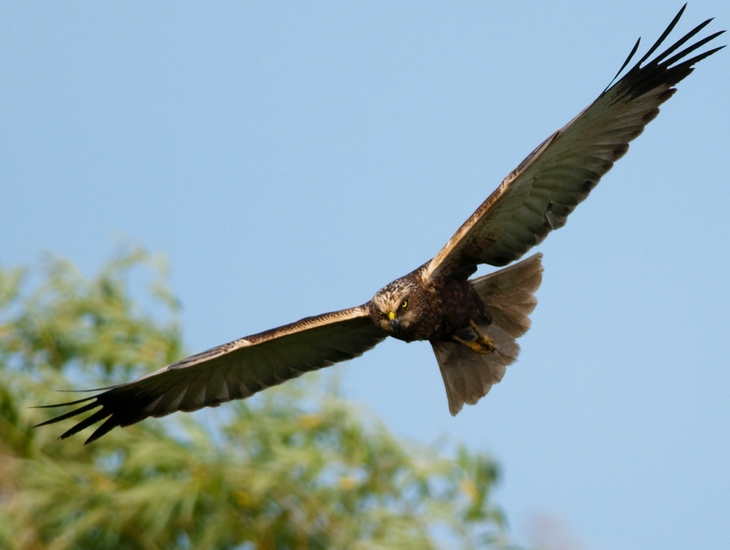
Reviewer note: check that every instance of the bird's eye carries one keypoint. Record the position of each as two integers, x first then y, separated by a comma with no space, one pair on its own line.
404,304
382,313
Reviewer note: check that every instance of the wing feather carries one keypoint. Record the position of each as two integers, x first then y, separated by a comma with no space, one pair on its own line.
545,188
235,370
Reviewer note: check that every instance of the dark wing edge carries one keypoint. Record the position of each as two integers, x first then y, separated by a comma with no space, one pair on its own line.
545,188
235,370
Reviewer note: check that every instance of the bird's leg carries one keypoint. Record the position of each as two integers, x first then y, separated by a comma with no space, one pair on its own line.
483,344
483,339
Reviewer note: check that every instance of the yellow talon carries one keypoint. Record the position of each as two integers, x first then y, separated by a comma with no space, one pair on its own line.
481,348
483,339
482,344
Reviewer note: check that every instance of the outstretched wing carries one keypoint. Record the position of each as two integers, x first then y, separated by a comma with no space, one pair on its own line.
540,193
232,371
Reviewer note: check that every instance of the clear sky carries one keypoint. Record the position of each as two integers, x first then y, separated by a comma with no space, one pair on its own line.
291,159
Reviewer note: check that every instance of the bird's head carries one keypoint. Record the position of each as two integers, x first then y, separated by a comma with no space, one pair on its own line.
396,307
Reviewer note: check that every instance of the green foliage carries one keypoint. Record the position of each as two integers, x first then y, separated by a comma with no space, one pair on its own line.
295,468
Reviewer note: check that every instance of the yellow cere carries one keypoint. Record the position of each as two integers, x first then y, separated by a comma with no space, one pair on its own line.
391,315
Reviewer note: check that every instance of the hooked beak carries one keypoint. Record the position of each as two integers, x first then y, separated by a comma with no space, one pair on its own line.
393,320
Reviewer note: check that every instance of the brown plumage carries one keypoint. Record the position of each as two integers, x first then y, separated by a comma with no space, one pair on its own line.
472,325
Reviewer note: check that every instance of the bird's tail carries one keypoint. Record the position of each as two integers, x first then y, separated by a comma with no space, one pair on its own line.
509,297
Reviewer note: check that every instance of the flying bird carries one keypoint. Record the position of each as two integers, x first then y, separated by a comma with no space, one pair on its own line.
472,324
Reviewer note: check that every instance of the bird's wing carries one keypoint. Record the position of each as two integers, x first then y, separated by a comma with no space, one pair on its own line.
232,371
540,193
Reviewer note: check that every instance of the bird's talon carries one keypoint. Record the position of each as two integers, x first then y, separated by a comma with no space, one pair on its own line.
482,346
483,341
487,343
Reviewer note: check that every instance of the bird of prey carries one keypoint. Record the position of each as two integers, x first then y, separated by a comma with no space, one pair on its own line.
472,324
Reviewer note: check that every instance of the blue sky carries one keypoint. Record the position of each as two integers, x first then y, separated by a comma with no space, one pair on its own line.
291,159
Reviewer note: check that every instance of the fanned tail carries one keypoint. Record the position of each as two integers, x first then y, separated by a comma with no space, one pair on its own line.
509,297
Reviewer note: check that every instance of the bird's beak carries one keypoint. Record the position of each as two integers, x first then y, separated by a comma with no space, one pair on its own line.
393,320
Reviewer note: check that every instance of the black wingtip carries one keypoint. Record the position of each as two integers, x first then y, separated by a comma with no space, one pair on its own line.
102,430
664,35
86,422
69,414
643,77
625,63
66,404
689,49
87,404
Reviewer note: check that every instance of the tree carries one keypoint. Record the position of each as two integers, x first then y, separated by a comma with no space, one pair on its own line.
296,467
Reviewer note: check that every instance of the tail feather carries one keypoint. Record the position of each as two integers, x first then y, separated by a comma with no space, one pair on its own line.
509,294
509,297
